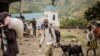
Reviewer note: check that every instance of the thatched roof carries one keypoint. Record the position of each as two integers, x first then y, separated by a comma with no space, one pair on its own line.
8,1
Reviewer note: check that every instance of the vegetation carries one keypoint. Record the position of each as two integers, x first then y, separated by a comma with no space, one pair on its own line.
73,22
66,7
67,36
93,13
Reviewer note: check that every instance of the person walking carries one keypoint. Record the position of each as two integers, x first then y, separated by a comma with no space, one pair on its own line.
50,40
92,44
34,26
9,32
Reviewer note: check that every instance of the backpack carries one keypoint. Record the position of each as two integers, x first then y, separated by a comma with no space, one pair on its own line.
57,34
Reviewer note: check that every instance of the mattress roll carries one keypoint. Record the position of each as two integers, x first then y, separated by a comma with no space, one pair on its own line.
18,26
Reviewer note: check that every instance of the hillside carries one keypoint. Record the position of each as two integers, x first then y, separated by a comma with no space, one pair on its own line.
66,7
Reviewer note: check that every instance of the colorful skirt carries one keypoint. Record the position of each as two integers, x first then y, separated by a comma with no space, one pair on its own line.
93,45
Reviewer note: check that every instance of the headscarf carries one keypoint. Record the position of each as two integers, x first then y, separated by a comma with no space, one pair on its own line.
3,15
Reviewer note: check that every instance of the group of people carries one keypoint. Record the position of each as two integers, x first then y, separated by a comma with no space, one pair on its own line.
33,22
11,28
51,40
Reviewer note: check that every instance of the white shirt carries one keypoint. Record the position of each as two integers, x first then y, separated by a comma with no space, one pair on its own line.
88,32
48,38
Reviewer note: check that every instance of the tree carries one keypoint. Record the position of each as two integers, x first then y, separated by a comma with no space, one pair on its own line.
93,13
52,3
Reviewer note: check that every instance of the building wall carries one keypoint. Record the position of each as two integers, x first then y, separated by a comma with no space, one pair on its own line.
49,15
40,19
40,22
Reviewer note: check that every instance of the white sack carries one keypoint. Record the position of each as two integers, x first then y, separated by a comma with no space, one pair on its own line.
18,26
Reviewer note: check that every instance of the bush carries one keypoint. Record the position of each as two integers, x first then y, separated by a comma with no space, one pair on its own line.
82,22
73,22
66,36
69,36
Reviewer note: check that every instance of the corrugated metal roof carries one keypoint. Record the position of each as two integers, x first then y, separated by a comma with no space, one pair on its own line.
29,16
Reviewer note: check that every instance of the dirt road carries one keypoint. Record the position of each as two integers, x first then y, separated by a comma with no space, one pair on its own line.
29,47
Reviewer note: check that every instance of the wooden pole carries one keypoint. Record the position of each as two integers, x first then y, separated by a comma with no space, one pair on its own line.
20,7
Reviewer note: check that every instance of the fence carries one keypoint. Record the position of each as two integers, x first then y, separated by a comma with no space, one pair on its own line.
72,27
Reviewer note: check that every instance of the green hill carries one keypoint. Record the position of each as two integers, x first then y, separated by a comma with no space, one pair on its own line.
66,7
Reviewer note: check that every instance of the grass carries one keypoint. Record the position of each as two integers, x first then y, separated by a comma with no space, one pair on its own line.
66,35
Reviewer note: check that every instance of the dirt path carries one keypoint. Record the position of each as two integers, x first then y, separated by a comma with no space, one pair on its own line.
29,47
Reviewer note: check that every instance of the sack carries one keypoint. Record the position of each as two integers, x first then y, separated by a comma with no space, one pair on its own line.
57,34
18,26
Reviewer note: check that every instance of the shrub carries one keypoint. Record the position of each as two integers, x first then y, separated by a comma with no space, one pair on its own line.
73,22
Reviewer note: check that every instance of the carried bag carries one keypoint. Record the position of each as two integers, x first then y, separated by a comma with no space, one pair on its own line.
58,36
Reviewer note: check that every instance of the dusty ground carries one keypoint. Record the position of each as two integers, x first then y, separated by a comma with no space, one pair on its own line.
29,46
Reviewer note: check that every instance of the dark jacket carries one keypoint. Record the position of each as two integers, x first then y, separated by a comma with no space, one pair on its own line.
12,46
